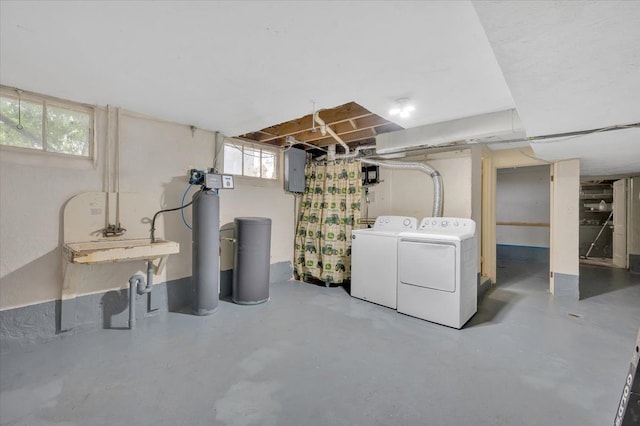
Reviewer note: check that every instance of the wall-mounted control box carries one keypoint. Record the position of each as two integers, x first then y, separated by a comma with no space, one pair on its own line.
370,175
217,181
210,180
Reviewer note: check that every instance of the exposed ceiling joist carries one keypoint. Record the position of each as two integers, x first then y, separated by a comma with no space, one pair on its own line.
342,113
351,122
349,137
342,128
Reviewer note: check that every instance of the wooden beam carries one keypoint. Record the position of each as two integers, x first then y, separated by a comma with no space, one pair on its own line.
330,116
344,128
343,113
349,137
353,124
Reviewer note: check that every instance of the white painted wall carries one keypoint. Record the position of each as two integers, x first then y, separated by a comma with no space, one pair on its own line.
565,217
253,197
633,216
410,192
154,158
522,195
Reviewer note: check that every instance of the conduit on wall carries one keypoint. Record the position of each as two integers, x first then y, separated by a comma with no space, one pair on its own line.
438,192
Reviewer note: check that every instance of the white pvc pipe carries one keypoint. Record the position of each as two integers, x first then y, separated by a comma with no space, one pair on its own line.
352,154
438,193
331,132
331,152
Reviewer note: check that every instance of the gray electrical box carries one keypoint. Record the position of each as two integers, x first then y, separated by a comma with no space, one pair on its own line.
294,161
216,181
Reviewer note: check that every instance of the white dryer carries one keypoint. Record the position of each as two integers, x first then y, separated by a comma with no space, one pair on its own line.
374,254
438,271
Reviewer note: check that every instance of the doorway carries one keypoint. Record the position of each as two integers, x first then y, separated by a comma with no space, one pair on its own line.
522,221
603,223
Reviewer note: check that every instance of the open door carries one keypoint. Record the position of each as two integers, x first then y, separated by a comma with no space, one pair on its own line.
620,223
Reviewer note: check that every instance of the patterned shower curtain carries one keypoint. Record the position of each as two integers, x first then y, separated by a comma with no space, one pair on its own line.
329,210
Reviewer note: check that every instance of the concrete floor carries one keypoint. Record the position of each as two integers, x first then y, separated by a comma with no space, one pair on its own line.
316,356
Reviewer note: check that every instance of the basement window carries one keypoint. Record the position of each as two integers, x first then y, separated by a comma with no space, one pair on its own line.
33,122
250,160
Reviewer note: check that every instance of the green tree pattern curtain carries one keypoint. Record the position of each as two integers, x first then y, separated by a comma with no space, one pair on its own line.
329,210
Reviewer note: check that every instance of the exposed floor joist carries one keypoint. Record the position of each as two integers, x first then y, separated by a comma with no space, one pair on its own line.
353,123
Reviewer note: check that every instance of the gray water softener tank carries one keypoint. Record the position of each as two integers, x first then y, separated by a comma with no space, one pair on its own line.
252,260
206,252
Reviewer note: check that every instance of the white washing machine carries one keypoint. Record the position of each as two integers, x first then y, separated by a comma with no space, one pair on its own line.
374,254
438,271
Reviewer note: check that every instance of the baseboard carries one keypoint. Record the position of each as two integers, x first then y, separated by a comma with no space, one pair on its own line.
110,310
522,253
484,284
281,271
566,285
634,263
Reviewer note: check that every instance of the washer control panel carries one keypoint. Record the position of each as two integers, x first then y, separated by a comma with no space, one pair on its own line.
395,223
449,225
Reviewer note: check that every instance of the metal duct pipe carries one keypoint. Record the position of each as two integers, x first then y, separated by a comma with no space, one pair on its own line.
438,193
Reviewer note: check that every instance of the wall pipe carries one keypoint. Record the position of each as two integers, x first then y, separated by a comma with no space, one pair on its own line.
331,132
149,286
137,284
331,152
438,192
134,281
117,177
107,168
351,154
293,141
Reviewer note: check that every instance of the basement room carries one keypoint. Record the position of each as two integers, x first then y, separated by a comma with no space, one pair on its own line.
320,213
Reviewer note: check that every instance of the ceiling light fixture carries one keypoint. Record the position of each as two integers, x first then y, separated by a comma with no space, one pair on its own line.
402,108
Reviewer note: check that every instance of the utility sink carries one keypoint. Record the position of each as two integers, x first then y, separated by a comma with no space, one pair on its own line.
119,250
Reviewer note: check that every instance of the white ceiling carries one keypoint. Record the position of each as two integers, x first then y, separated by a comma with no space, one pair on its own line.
238,67
613,153
572,66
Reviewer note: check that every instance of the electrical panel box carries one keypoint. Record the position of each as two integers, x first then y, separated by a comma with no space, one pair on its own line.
370,175
294,162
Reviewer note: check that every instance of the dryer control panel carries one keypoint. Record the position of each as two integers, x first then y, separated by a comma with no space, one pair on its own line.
395,223
448,225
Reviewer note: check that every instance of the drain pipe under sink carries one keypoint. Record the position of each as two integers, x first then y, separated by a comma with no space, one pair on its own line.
137,284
